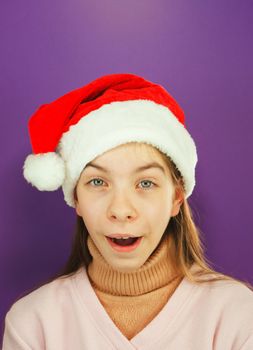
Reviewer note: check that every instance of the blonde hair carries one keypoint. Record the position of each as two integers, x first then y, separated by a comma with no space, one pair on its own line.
188,239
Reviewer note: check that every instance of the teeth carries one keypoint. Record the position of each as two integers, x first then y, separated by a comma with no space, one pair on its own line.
123,237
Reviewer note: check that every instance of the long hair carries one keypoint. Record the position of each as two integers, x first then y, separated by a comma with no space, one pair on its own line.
188,241
187,236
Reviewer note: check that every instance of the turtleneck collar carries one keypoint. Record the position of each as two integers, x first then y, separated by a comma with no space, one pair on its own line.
155,273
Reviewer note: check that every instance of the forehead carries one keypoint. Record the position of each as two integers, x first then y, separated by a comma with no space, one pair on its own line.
128,157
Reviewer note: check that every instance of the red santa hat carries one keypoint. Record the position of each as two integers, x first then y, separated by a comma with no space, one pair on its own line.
112,110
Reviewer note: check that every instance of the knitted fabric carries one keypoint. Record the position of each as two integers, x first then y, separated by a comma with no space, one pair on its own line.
133,299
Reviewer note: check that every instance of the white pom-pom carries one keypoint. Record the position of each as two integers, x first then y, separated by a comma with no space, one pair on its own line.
44,171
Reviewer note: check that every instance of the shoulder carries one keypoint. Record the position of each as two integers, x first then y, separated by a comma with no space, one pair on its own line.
35,316
227,304
225,290
230,291
42,301
224,297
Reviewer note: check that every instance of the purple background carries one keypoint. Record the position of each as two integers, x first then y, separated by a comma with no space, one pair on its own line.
201,51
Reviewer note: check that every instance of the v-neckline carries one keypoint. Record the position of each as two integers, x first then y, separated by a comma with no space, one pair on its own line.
151,334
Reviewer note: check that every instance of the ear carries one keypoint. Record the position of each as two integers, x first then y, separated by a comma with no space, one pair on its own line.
177,202
77,208
77,205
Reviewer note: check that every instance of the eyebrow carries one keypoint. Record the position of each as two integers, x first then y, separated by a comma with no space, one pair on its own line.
141,168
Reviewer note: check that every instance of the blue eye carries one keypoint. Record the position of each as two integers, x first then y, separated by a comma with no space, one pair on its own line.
96,179
147,181
96,184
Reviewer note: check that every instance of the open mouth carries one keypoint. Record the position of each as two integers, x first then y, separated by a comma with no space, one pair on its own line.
124,245
124,242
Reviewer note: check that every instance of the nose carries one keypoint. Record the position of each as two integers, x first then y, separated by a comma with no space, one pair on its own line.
121,208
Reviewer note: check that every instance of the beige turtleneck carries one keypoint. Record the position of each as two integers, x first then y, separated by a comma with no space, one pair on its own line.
133,299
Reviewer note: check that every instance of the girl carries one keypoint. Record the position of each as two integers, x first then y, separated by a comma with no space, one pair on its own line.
136,277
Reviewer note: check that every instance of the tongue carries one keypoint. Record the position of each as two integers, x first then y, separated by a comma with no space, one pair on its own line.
125,242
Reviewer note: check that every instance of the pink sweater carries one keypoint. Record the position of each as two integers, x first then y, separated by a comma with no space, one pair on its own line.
67,315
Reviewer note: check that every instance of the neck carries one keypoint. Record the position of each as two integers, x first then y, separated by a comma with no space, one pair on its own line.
158,270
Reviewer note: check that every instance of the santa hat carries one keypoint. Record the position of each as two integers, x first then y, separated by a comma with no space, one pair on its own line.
112,110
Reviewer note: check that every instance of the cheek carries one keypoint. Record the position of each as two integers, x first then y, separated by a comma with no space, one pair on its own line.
83,208
157,216
160,205
89,210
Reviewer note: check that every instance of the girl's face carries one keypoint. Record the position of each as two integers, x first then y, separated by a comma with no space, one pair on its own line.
115,196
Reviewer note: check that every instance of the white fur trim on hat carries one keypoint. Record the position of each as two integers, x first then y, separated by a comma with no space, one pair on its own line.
44,171
120,122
